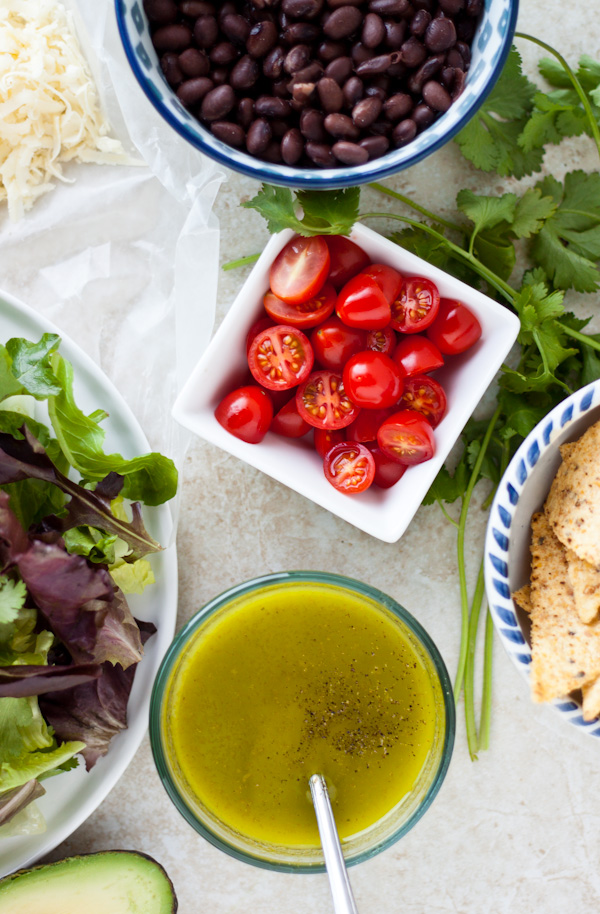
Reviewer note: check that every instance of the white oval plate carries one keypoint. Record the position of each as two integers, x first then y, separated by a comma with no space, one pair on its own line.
71,797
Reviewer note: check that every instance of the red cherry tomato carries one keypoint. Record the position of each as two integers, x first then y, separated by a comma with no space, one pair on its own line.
349,467
306,314
347,259
299,271
288,421
333,343
280,357
417,355
455,329
426,396
383,340
246,412
361,303
407,437
325,438
372,380
323,402
388,279
366,425
261,324
416,306
387,470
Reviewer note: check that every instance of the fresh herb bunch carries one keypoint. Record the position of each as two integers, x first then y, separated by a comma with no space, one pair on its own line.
554,227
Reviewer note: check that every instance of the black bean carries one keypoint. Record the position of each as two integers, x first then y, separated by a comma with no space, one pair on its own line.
459,83
226,9
206,31
279,127
425,72
341,127
350,153
454,59
174,37
329,50
194,62
258,136
404,132
302,94
381,128
397,106
340,70
474,8
390,7
302,9
321,154
447,77
394,34
217,103
360,53
195,8
223,54
343,22
261,39
297,58
376,65
280,89
335,4
366,111
311,125
423,116
236,28
273,152
220,75
292,146
245,112
193,91
373,31
451,7
330,95
312,73
245,73
271,106
413,52
375,145
169,64
228,132
436,96
397,70
376,92
440,35
353,90
160,12
419,23
301,33
465,52
273,63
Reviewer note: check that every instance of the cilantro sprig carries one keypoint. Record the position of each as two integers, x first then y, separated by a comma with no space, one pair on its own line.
554,229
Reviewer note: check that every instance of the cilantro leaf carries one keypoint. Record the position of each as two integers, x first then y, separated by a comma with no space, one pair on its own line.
531,212
276,205
486,212
328,212
12,598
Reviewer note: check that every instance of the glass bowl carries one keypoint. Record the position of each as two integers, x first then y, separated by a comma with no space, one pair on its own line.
301,857
489,49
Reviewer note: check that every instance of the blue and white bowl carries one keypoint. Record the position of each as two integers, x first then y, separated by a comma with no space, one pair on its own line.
522,492
489,50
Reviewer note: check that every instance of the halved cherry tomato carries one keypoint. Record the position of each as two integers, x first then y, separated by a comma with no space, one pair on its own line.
299,271
261,324
388,279
417,355
307,313
361,303
333,343
416,306
383,340
387,470
366,425
426,396
288,421
245,412
325,438
349,467
280,357
372,380
347,259
455,329
323,402
407,437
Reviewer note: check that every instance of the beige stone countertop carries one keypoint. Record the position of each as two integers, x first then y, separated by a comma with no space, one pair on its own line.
519,828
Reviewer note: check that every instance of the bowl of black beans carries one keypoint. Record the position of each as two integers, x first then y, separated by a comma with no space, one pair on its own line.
317,93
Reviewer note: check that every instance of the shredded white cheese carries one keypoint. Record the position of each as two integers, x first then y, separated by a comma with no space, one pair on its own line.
49,107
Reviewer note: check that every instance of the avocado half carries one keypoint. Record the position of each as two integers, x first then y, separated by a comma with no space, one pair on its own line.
109,882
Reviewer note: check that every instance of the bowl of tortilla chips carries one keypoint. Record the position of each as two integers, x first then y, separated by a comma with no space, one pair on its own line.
542,559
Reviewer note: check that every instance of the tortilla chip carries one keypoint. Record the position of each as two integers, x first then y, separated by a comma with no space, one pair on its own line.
522,597
573,504
565,651
591,700
585,581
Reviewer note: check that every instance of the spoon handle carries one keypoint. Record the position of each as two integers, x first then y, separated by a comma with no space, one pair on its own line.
341,890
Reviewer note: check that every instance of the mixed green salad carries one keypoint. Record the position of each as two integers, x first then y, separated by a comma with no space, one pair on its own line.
72,545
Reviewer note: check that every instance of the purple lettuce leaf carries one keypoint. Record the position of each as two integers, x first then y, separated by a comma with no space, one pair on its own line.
27,459
22,680
95,711
13,801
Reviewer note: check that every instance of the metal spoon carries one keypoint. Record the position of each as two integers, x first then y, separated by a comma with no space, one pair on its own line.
341,890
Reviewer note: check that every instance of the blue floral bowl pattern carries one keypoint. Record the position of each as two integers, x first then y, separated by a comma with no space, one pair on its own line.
490,48
522,492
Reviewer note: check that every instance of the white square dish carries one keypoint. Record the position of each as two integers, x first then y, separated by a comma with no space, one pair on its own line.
383,513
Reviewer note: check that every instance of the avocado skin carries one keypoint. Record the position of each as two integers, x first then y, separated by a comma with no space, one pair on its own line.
130,853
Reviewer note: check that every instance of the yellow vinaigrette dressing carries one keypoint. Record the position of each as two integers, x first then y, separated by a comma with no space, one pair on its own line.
298,679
